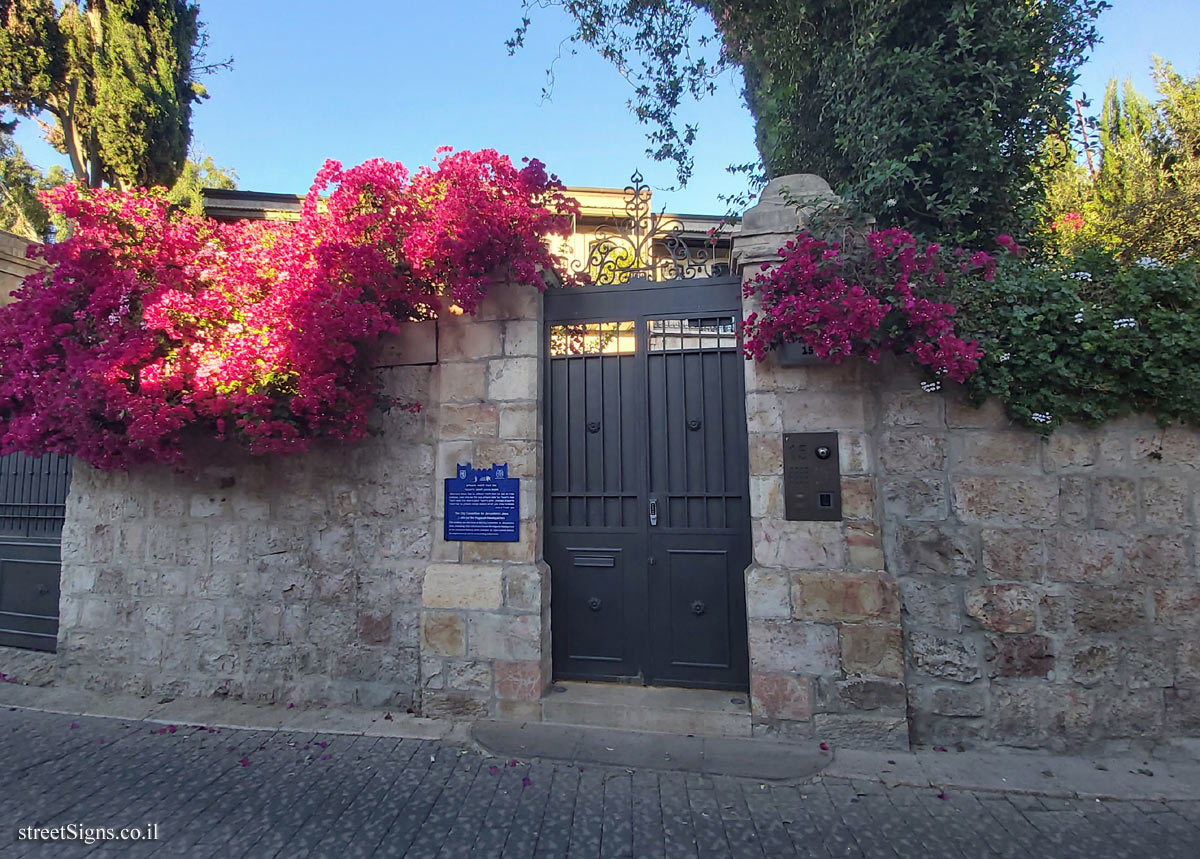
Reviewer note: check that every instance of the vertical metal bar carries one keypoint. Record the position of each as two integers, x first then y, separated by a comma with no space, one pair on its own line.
704,464
27,491
666,412
603,436
687,459
566,452
724,452
587,474
621,438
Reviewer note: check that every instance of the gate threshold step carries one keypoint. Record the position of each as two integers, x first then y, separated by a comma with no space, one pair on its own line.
658,709
729,756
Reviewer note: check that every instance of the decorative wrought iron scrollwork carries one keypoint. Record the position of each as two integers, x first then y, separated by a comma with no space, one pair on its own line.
647,244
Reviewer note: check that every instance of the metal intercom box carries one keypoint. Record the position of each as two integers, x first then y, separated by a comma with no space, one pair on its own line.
812,478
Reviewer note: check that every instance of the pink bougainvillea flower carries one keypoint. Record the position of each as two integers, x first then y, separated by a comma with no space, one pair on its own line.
326,757
526,781
493,770
387,717
151,324
171,729
824,747
244,762
74,724
841,304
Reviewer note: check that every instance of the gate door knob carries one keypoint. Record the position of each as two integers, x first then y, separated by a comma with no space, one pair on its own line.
594,603
698,608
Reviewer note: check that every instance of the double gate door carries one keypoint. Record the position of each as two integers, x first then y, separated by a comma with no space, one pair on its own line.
647,509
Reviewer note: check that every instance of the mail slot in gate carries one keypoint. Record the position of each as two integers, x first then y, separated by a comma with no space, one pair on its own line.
812,479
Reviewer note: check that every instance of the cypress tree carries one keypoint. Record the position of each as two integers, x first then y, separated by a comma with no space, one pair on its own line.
115,75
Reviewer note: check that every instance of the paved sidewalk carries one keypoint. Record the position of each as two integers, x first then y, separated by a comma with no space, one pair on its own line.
233,793
1007,771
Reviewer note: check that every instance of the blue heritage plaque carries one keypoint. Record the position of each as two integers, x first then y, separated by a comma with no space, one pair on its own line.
482,505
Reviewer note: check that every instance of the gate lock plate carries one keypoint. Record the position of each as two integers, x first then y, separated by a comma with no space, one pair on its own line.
812,479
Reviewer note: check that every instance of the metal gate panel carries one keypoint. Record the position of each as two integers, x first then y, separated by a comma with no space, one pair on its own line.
33,494
698,478
647,529
594,510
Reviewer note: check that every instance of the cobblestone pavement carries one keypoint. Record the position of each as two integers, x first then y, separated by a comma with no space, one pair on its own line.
227,793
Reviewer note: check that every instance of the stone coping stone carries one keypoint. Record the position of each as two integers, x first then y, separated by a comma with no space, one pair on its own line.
729,756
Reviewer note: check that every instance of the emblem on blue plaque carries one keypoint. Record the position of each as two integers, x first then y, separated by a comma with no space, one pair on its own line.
483,505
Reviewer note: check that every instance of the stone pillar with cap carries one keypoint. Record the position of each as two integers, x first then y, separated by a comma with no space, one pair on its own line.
826,653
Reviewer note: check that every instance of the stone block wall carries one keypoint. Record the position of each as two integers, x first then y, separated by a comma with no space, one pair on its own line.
268,579
324,577
1049,585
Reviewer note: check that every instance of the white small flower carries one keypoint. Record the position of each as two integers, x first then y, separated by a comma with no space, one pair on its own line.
1126,322
931,387
1082,275
889,202
1150,262
1041,417
1079,316
1005,356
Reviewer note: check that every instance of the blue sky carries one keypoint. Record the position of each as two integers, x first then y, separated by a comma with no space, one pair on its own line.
398,80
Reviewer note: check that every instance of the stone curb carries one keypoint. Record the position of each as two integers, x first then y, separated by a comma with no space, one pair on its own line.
232,715
1019,772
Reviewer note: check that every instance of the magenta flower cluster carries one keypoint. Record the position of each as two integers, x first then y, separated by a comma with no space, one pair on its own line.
150,323
843,303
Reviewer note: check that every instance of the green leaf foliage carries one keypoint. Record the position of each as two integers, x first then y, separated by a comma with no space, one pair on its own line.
199,174
931,113
116,76
1144,196
1085,339
20,210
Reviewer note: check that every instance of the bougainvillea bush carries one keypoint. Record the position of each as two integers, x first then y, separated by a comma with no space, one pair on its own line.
867,299
152,323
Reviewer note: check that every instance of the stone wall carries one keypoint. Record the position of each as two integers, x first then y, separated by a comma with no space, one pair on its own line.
323,577
14,265
271,579
1050,592
992,585
826,653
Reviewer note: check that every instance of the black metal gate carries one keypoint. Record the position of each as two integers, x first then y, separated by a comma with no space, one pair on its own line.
33,495
647,507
